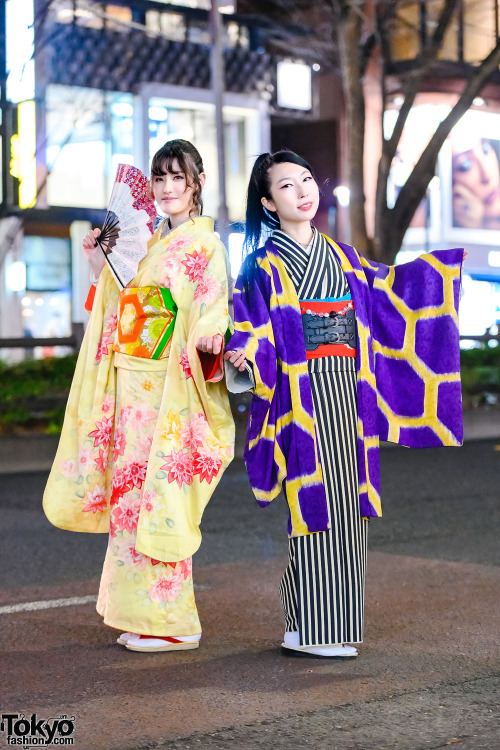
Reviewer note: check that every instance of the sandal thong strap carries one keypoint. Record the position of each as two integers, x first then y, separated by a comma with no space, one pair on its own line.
167,638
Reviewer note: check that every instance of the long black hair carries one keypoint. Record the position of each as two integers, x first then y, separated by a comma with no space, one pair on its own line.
258,217
190,163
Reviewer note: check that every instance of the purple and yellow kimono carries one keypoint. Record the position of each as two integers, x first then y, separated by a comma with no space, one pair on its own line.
408,378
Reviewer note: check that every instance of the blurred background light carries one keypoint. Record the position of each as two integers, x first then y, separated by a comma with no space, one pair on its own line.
342,194
294,85
19,19
15,276
494,258
235,250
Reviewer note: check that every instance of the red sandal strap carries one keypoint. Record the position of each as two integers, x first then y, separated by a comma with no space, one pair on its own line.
167,638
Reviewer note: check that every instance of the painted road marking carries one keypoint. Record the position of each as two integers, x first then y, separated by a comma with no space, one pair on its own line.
73,601
47,604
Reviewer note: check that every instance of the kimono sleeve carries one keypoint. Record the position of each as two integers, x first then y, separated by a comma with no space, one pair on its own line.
254,334
209,314
416,346
253,326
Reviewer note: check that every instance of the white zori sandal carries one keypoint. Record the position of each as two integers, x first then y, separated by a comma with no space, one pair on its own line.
291,647
136,642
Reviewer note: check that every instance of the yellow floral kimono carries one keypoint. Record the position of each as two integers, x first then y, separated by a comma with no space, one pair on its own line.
146,438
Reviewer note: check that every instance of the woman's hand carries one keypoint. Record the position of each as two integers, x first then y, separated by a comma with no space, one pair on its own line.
89,242
210,344
237,358
93,252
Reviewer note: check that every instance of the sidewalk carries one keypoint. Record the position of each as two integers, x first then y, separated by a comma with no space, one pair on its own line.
35,453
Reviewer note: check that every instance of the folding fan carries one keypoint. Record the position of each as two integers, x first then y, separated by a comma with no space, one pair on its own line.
128,224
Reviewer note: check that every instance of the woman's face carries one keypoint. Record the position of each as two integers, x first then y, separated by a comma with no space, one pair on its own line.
172,193
477,170
294,193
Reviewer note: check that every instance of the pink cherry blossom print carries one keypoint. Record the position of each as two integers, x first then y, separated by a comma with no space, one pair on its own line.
110,322
193,434
171,272
179,243
184,360
101,461
68,467
143,447
196,264
85,459
103,348
207,463
130,556
96,500
185,568
139,415
135,473
102,433
126,514
108,404
106,342
180,467
150,504
167,585
112,528
207,290
119,444
120,486
123,417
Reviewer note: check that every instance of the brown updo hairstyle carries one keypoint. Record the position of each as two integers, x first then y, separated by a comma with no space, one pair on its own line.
190,164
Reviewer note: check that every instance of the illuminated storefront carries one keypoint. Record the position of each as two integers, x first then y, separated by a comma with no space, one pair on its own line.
462,207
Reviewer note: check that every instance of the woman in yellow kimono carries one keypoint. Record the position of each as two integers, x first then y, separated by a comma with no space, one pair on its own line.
148,430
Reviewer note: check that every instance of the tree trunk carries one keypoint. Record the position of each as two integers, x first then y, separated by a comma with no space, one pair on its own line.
349,29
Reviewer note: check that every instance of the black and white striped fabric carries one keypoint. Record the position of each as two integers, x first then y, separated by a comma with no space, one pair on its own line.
322,590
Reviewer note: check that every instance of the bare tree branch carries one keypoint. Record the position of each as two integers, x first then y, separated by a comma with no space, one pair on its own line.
423,63
414,189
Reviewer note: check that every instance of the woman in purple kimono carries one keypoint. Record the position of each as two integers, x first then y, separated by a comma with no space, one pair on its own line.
340,353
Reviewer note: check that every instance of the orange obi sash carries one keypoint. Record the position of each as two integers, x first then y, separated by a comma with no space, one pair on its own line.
146,320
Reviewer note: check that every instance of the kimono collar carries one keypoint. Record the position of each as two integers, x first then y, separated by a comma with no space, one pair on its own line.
290,246
197,224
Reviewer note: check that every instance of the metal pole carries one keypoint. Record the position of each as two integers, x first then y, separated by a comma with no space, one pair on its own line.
217,63
5,131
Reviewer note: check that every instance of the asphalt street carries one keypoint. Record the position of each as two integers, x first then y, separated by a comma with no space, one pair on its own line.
427,675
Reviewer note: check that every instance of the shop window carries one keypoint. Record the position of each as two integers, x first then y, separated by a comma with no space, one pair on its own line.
203,4
88,133
90,14
417,19
171,25
46,302
196,122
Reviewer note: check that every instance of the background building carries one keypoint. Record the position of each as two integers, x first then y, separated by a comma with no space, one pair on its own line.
462,207
87,85
90,85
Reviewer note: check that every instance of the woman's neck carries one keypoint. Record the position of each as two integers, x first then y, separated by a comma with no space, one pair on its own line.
300,232
175,221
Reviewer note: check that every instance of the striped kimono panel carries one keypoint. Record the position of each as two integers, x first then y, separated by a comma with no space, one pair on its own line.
322,590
